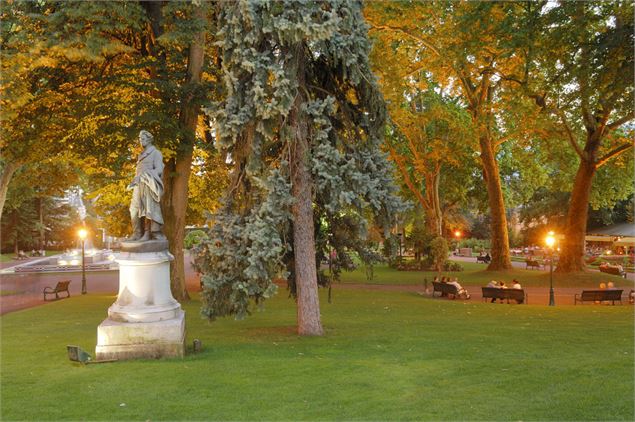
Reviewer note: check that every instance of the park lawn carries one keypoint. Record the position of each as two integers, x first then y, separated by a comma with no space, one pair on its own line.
8,257
10,292
385,356
476,275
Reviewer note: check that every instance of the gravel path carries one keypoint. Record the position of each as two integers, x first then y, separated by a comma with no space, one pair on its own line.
30,286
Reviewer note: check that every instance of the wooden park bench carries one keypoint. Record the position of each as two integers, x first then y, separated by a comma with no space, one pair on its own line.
612,270
518,295
532,263
598,296
484,259
445,289
62,286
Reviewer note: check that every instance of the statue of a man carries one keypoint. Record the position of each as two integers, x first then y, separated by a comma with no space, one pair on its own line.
147,189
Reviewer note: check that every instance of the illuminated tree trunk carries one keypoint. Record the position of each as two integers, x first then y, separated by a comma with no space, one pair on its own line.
432,204
498,231
308,305
572,248
178,169
40,210
8,170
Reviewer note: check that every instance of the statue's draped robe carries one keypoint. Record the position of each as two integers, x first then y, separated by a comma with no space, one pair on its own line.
146,195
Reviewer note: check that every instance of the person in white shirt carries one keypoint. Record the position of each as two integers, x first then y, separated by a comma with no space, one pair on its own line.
494,284
516,285
462,292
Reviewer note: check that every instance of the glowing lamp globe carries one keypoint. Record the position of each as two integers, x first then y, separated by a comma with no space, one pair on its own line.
550,240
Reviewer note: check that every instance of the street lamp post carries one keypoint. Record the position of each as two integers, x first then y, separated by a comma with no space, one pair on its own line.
82,235
550,241
457,234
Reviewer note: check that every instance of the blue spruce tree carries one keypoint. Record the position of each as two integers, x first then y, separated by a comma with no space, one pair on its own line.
302,123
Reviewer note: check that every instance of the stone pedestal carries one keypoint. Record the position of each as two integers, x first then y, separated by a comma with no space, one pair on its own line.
145,321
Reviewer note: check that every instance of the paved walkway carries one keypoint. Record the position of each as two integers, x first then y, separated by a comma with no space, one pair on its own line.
30,286
522,265
535,295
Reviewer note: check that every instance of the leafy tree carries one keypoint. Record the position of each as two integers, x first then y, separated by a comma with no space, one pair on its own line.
33,106
622,212
302,124
585,85
208,182
103,71
430,149
465,46
35,215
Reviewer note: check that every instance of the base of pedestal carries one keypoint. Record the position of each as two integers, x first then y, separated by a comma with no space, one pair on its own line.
141,340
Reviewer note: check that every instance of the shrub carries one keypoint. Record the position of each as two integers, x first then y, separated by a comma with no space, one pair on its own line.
411,266
452,266
193,238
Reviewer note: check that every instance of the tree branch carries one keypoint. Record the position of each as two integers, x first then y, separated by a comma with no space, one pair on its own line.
406,176
414,37
570,136
614,153
412,146
619,122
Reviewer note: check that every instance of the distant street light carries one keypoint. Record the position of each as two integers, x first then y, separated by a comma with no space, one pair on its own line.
458,234
82,235
551,241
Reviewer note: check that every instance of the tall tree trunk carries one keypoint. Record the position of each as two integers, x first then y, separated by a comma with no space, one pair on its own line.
436,201
500,241
177,173
572,249
7,172
178,169
432,203
41,215
16,246
308,305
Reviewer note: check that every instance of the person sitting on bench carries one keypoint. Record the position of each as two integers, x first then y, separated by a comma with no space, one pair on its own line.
459,288
443,280
516,285
494,284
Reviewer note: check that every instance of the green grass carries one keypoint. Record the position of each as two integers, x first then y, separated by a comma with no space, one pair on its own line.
10,292
385,356
476,275
8,257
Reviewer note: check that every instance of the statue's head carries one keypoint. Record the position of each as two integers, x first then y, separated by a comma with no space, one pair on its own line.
145,138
